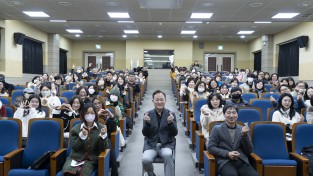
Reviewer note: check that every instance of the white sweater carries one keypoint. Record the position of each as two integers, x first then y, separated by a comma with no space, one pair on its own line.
33,113
214,115
279,117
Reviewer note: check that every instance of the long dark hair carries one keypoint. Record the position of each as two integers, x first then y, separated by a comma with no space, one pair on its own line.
292,111
80,102
84,111
39,108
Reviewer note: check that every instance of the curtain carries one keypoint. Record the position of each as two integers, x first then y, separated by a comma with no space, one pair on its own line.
32,57
63,61
288,59
258,61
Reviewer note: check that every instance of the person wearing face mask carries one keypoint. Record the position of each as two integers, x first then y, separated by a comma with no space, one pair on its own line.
3,110
89,139
27,92
93,91
79,71
28,109
85,76
248,85
200,92
48,99
229,78
236,99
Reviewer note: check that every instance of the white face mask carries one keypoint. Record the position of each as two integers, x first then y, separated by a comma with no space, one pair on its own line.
114,78
91,91
90,117
0,104
113,98
200,89
231,77
46,93
26,95
79,71
101,82
250,79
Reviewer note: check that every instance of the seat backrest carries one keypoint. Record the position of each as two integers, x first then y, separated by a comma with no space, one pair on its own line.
263,104
63,100
46,109
10,135
268,87
19,87
6,100
248,96
249,115
44,134
275,95
15,94
68,94
10,110
198,103
270,112
71,85
301,136
269,140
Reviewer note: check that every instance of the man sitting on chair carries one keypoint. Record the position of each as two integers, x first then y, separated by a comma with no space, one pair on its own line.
159,129
230,144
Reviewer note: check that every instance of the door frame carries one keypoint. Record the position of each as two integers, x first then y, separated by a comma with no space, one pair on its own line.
233,62
90,53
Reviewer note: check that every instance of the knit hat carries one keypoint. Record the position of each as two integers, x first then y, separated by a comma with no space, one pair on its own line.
28,90
235,89
115,91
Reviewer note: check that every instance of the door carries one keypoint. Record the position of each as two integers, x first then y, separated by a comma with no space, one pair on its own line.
92,59
211,63
106,62
219,62
258,61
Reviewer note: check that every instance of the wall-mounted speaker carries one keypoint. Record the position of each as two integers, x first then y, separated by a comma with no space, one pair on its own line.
303,41
19,38
201,45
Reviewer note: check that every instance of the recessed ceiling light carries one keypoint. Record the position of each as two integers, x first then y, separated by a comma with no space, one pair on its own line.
36,14
145,51
201,15
195,36
194,22
285,15
112,4
242,36
256,4
64,3
131,31
100,36
118,15
124,36
188,32
262,22
245,32
207,4
74,30
17,2
58,21
125,21
160,36
77,35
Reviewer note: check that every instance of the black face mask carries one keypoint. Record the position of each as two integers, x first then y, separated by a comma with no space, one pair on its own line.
236,96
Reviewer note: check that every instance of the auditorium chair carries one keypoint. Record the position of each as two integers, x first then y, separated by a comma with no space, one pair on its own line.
268,87
195,120
6,100
10,110
68,94
249,115
270,112
248,96
275,95
263,104
15,94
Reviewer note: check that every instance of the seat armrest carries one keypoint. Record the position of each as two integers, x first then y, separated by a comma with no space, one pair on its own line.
13,160
122,126
103,163
257,163
211,164
57,161
303,162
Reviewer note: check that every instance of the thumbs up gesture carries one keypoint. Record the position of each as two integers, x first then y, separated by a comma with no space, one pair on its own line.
170,118
245,130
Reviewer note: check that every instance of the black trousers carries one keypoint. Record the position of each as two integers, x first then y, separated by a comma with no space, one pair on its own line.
237,168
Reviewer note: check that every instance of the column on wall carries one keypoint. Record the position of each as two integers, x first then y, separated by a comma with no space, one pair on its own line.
267,54
53,54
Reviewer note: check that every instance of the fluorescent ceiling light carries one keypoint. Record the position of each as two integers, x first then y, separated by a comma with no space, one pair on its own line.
245,32
131,31
124,36
285,15
125,21
195,36
58,21
145,51
118,15
201,15
36,14
77,35
262,22
188,32
74,30
160,36
194,22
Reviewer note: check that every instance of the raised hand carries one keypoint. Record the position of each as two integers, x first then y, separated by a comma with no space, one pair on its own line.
103,130
85,132
245,129
170,118
146,118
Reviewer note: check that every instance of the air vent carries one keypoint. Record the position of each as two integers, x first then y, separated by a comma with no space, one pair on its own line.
64,3
17,2
207,4
160,4
256,4
112,4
